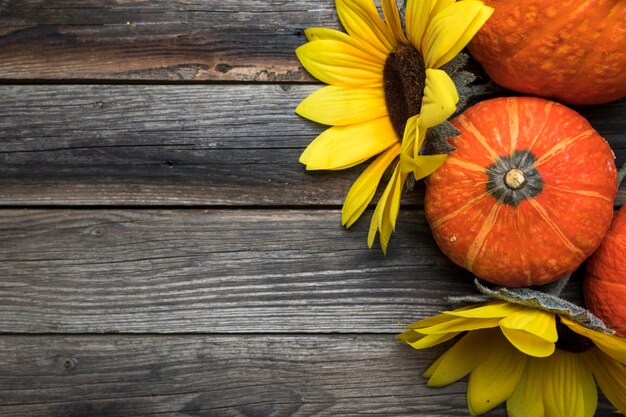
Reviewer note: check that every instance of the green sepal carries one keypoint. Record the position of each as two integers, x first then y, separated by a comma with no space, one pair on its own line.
547,302
437,138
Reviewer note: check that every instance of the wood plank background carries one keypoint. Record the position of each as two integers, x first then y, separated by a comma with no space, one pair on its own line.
164,253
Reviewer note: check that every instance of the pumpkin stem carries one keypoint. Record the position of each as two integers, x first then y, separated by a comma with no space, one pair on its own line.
515,179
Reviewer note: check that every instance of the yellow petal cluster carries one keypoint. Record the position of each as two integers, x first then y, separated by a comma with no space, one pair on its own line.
511,353
353,103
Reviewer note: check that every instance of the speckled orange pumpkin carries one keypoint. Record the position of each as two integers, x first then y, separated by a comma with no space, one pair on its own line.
526,196
605,279
571,50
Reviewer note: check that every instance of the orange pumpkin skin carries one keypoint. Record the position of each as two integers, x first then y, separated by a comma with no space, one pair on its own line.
605,278
570,50
542,230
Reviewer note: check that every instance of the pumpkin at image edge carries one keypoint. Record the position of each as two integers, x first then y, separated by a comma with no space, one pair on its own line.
526,196
572,51
605,278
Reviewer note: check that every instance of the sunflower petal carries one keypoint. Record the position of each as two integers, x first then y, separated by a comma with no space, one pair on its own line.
376,221
460,325
334,105
439,6
411,131
613,346
339,63
533,332
386,212
494,379
452,29
341,147
361,20
392,18
433,367
364,188
326,34
417,18
526,401
568,386
409,336
440,98
423,165
460,359
421,341
493,309
393,208
322,34
610,376
536,322
528,343
473,311
431,321
419,138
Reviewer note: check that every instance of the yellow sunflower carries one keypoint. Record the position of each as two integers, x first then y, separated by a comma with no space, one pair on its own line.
541,364
379,79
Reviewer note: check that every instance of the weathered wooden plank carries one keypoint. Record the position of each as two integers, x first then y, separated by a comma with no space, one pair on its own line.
183,145
152,145
219,376
293,375
175,40
226,271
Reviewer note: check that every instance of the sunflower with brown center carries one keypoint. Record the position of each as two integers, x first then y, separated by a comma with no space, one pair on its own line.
542,364
385,90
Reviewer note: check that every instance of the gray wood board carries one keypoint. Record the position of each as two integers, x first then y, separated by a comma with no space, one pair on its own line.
225,271
246,375
202,145
244,40
226,376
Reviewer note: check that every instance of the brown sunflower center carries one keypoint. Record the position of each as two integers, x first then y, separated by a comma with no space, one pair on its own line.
404,79
571,341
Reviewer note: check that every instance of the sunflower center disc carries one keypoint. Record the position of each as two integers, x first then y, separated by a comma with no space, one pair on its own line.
404,79
571,341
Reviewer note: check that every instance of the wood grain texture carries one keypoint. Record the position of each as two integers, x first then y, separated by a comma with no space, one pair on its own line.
68,271
243,40
248,298
295,376
226,376
190,145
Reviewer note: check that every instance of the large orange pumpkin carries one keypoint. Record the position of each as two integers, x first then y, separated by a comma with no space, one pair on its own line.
605,279
526,196
571,50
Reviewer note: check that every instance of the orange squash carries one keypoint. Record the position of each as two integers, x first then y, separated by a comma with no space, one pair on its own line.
526,196
570,50
605,278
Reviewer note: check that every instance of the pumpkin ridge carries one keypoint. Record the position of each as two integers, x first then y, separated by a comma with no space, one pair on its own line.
556,229
562,145
513,113
584,193
459,211
525,267
479,241
479,136
547,110
465,164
